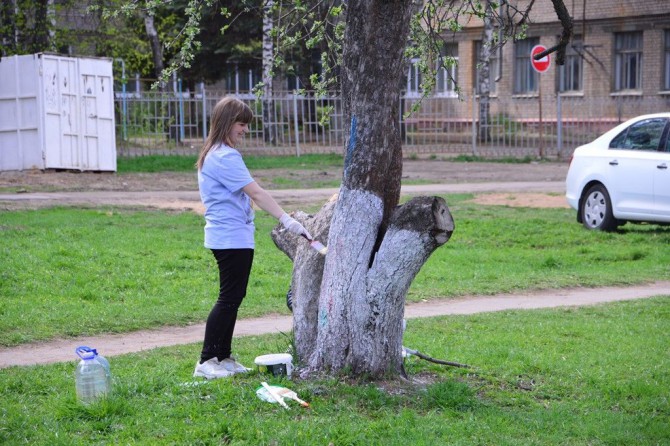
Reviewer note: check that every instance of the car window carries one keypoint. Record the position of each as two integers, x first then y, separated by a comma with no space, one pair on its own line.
643,135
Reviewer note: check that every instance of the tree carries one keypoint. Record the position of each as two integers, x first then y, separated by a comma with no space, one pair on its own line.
26,26
268,72
154,40
375,246
484,74
356,328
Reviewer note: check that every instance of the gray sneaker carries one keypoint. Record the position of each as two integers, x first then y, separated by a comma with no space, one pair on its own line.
211,369
233,366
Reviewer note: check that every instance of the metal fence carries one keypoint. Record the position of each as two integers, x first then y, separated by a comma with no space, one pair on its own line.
547,127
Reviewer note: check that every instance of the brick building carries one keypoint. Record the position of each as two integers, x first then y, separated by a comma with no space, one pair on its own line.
619,48
617,66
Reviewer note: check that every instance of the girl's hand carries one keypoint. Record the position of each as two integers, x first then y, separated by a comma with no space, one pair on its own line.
294,226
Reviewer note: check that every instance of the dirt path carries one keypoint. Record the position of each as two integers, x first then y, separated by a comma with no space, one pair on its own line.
62,350
534,184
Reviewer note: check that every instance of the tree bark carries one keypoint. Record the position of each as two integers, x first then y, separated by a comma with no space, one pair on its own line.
374,344
484,79
375,39
307,272
156,47
269,130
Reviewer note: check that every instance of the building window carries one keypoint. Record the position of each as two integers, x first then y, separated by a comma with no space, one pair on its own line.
446,77
570,74
628,61
666,71
494,66
525,77
414,78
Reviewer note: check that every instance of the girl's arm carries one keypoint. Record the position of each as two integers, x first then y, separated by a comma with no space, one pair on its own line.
263,199
269,205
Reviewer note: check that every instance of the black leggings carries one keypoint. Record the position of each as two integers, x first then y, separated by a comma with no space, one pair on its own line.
234,269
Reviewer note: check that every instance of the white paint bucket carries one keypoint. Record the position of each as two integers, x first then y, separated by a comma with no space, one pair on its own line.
278,364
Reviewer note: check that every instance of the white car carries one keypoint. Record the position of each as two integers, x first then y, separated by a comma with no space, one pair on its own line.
623,175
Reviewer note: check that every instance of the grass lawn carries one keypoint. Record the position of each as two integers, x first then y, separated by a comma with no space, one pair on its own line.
574,376
176,163
578,376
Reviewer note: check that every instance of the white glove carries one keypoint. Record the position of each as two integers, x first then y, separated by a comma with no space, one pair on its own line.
294,226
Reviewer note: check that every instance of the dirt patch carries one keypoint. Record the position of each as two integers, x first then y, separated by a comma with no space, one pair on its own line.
70,181
414,172
531,200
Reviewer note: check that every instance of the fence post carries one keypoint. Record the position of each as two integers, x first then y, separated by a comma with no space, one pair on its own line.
474,122
295,123
559,127
204,111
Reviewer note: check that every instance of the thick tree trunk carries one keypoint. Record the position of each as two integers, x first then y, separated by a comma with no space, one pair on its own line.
374,319
372,69
348,310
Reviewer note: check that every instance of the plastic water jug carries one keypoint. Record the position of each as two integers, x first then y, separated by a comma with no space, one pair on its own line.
93,379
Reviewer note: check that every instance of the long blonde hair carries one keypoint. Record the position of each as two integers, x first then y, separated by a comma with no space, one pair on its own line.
226,112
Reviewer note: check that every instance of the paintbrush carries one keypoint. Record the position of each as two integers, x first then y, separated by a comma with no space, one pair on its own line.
274,395
316,245
288,393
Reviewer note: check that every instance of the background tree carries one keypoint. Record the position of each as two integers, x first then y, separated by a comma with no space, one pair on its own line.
268,72
484,72
26,26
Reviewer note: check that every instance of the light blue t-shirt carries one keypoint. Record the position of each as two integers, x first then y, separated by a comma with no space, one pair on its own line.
229,216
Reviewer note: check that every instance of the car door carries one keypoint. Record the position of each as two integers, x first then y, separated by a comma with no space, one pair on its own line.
662,180
633,160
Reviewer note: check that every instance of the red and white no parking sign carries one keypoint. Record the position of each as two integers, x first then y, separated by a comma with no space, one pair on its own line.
541,65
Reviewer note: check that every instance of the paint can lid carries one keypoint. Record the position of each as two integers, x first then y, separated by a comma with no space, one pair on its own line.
273,359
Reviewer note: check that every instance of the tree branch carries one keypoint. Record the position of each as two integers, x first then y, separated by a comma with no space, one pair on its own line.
418,354
566,34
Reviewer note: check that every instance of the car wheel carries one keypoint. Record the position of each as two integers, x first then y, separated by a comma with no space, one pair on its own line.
596,210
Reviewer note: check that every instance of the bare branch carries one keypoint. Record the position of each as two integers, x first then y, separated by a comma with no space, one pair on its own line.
566,34
418,354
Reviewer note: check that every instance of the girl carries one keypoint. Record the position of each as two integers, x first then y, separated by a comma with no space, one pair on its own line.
227,190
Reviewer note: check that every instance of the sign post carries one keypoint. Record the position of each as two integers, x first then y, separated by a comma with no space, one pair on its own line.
540,65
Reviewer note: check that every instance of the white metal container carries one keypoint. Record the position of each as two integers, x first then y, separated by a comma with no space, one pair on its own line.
57,112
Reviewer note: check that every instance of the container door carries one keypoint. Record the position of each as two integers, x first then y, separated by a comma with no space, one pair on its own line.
20,143
60,112
98,143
